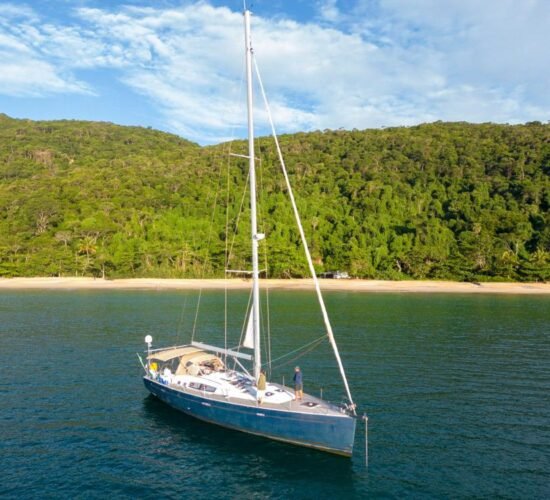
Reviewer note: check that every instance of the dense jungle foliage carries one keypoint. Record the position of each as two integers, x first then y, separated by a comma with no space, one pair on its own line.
441,201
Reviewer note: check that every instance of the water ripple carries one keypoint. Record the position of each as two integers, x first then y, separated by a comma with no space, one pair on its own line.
456,388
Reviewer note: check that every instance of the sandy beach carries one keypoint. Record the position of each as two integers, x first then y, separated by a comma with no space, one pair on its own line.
351,285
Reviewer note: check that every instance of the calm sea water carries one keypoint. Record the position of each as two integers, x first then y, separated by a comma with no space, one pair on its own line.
457,389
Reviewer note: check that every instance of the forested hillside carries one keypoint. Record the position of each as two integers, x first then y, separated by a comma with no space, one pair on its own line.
440,201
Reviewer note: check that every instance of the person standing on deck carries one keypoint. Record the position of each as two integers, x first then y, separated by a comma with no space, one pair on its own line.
261,387
298,384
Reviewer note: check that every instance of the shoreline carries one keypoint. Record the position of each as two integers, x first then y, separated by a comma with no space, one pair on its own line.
345,285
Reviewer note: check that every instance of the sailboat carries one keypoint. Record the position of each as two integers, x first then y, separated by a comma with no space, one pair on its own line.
196,378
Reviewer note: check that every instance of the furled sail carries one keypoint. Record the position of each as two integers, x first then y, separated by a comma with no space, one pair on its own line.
249,334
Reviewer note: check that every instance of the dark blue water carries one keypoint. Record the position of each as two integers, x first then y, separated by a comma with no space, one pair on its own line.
457,389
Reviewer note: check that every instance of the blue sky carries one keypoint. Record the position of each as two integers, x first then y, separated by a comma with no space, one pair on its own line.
177,65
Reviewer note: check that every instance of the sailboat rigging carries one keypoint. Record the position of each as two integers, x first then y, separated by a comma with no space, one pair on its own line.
197,380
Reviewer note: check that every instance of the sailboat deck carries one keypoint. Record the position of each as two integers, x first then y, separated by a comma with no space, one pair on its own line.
309,404
240,390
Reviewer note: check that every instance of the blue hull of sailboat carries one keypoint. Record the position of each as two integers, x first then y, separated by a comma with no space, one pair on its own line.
329,433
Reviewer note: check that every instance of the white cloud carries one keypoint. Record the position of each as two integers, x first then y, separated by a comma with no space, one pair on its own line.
496,48
26,74
328,10
12,11
392,62
18,80
185,60
25,65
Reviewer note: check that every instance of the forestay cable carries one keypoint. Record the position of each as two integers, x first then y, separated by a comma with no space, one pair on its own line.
304,242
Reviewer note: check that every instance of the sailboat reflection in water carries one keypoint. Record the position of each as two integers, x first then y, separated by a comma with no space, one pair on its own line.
197,380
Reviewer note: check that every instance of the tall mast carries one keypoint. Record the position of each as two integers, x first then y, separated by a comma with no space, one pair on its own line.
254,230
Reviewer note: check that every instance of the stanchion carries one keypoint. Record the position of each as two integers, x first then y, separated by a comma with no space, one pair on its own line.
366,419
